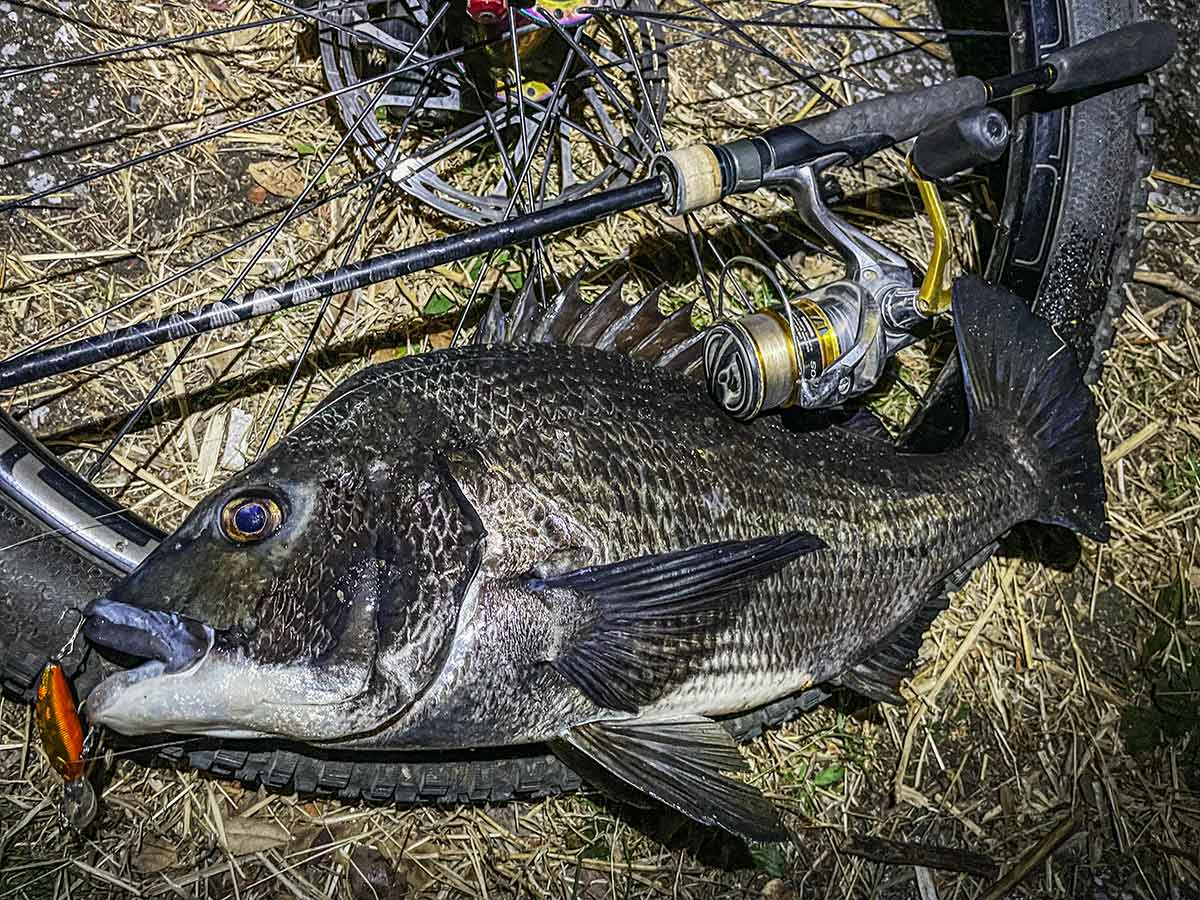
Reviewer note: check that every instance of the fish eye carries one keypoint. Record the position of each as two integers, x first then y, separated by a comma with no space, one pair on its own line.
249,519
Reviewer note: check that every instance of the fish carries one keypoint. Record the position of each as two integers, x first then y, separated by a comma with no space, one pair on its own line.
555,535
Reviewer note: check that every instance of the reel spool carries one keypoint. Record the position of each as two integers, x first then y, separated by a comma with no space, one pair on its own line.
758,362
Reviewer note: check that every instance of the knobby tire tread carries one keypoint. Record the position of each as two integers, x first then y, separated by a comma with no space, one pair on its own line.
536,775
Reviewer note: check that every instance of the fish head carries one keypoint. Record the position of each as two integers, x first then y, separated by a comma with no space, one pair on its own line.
310,597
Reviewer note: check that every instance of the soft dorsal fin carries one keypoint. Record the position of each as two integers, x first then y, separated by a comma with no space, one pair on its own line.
608,323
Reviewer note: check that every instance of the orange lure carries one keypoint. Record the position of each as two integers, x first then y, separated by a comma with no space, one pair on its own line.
58,723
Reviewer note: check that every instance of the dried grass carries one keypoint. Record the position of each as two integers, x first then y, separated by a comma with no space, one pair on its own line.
1014,740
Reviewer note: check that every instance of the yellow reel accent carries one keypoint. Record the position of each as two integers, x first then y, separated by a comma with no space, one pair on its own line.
934,297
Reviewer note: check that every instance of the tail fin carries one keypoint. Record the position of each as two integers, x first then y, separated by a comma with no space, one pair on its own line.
1025,385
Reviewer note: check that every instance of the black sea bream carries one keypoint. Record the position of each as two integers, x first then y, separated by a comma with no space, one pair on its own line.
542,537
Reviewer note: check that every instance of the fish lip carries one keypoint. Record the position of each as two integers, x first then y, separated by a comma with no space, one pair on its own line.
179,643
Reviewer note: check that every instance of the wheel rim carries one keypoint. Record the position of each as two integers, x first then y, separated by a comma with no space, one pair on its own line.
682,120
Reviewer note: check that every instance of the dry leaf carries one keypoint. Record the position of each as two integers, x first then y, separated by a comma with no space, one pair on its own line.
385,354
257,195
243,836
210,447
281,179
155,856
234,454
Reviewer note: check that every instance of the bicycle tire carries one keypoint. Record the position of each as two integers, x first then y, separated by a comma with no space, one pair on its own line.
1076,280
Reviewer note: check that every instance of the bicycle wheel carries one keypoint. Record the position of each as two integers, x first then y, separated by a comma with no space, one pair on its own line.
91,221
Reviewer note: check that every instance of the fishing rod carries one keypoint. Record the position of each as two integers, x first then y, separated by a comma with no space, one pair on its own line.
819,351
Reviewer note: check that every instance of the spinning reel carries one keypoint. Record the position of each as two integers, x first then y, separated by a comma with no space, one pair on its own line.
814,351
831,344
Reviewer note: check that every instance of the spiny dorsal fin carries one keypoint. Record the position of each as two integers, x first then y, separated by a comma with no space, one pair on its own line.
491,328
569,308
666,334
600,315
523,318
639,329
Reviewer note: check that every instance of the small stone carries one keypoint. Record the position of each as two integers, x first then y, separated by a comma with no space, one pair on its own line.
234,454
257,194
778,889
372,876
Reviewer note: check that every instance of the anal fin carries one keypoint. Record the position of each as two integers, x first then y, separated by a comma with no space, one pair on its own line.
878,674
680,763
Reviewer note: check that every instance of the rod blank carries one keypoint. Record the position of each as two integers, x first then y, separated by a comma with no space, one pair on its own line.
264,301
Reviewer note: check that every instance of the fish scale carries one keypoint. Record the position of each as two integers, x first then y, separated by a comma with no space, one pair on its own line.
644,450
527,540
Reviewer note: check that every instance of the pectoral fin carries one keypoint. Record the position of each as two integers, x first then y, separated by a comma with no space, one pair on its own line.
641,616
681,764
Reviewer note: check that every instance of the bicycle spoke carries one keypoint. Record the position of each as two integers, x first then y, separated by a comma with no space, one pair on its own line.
805,26
701,271
740,216
606,124
102,55
359,227
367,34
672,22
714,36
579,129
609,88
655,118
182,273
521,121
768,53
249,265
527,162
156,44
225,129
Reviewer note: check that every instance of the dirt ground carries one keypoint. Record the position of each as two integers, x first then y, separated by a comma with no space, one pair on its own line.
1052,728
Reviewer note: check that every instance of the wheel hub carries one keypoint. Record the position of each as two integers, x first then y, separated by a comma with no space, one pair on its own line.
441,129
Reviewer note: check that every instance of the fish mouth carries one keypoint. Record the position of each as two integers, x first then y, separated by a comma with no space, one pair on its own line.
168,692
175,643
194,681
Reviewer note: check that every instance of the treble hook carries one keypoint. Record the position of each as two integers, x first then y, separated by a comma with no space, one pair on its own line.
69,647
